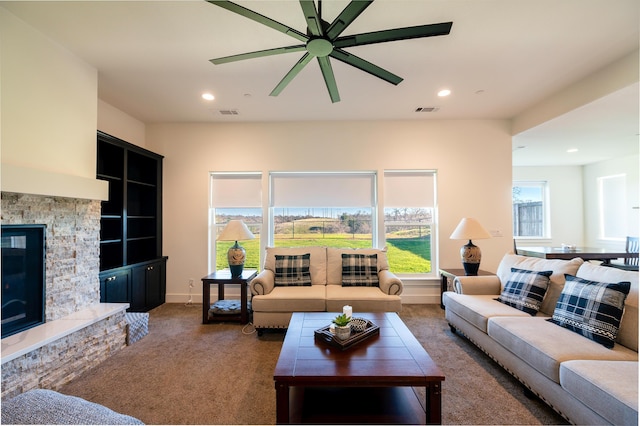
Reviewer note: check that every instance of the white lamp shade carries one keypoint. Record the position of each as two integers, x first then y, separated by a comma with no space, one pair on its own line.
235,230
469,229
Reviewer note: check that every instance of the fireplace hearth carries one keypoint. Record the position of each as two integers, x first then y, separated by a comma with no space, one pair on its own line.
23,277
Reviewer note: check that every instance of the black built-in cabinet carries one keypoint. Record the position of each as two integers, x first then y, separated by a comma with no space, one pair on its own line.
132,268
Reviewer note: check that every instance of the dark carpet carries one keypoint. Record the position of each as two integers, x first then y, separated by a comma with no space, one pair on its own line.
184,372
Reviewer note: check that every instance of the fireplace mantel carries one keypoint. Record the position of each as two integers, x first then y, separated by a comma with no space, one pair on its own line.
24,180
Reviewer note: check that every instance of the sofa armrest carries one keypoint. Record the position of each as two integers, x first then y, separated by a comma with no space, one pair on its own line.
389,282
478,284
263,283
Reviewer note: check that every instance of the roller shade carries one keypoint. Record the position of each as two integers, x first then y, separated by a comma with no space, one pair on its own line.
323,189
410,189
236,190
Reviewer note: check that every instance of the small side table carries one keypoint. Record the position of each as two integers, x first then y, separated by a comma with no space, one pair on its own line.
221,278
449,274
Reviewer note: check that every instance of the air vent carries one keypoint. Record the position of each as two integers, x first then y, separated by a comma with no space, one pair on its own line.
229,112
427,109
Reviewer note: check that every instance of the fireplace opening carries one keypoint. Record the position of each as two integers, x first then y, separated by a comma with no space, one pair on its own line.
23,277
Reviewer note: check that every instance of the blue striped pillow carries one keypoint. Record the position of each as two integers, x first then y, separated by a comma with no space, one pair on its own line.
592,309
525,290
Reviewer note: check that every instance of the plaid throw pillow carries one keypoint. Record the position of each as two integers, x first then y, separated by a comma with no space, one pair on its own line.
525,290
293,270
591,308
360,270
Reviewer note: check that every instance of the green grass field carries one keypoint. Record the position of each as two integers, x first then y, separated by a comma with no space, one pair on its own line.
406,255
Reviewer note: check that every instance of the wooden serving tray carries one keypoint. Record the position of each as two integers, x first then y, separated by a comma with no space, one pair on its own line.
324,335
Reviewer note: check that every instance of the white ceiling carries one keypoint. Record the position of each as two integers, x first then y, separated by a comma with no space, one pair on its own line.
501,58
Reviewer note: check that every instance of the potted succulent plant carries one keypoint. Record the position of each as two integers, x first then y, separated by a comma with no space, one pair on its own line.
343,328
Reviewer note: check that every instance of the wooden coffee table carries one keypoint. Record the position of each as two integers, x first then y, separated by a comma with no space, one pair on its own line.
370,382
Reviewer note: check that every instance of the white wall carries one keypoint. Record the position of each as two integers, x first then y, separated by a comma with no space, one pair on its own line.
48,114
574,200
565,201
121,125
473,160
628,166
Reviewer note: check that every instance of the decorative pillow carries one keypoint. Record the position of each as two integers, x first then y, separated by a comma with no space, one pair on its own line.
360,270
525,290
591,308
293,270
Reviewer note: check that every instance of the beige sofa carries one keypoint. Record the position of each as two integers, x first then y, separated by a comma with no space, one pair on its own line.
273,305
581,379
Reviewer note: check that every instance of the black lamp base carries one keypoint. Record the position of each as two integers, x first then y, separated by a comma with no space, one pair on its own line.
471,269
236,270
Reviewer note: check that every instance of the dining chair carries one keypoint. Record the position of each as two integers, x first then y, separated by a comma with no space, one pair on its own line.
632,247
629,263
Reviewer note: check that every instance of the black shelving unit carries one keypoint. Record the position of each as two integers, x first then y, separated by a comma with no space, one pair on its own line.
132,268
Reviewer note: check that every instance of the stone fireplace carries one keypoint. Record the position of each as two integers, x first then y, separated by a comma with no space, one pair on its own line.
72,296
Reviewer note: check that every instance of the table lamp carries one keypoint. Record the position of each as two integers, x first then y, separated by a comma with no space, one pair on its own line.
236,230
470,229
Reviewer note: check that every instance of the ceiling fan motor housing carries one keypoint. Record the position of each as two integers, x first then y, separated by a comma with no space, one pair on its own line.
319,47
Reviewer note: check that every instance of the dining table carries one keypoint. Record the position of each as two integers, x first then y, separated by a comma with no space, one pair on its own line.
587,253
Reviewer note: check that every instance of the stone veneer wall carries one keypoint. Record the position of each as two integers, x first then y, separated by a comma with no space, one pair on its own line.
72,284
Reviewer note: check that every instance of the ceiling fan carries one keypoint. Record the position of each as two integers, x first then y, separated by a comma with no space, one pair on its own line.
323,41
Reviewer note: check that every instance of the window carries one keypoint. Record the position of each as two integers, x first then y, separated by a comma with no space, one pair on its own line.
335,209
530,209
612,201
235,196
409,204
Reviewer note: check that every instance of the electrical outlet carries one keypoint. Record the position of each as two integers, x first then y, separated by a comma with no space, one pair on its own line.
190,282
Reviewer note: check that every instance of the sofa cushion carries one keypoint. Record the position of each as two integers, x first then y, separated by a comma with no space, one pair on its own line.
544,345
334,261
628,332
47,407
292,270
317,265
591,308
361,299
525,290
360,270
291,299
477,309
556,280
608,387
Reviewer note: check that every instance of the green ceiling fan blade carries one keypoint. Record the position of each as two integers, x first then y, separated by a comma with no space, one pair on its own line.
365,66
311,16
346,17
254,16
383,36
306,58
329,78
258,54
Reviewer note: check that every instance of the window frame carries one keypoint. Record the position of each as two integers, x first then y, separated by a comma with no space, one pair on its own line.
603,202
546,222
251,201
430,196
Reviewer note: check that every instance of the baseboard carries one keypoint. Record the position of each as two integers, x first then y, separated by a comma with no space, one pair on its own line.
407,299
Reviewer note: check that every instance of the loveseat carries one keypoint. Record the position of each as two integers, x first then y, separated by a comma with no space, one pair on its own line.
318,279
549,345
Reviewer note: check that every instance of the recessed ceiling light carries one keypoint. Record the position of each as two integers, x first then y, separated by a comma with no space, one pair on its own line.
444,92
570,150
208,96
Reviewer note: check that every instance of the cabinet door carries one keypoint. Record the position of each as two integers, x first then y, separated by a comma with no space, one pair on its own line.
149,285
156,279
138,290
115,287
